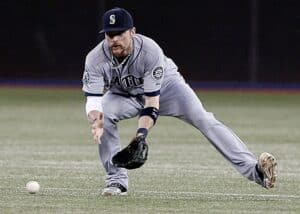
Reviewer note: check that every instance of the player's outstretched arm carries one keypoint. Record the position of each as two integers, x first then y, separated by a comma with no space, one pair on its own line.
135,154
148,115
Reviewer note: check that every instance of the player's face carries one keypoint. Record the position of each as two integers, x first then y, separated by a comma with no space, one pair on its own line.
120,42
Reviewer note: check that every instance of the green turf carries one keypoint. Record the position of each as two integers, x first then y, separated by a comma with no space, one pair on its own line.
45,137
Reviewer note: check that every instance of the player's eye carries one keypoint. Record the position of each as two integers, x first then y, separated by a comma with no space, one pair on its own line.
114,33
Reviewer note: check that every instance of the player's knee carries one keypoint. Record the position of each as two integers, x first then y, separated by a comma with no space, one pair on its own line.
205,121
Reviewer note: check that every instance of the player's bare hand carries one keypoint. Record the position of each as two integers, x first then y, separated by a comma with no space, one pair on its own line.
97,132
97,128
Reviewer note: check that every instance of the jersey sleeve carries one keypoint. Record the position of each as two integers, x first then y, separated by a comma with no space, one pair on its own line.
154,73
92,80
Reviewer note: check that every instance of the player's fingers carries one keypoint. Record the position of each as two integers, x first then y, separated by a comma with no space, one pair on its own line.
94,126
97,139
98,135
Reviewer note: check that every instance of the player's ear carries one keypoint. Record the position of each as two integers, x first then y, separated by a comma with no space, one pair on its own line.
132,31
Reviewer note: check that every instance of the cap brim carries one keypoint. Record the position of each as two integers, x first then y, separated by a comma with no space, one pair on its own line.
114,29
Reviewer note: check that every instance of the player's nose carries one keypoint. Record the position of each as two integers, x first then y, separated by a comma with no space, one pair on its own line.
115,38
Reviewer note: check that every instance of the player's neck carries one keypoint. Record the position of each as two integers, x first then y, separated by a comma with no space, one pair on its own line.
122,59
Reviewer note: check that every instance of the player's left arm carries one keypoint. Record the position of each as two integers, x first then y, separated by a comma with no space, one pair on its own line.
135,154
148,115
153,78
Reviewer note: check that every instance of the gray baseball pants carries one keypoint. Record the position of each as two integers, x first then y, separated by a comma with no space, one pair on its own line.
178,100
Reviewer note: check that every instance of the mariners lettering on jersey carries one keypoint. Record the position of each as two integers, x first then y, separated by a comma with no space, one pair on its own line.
129,81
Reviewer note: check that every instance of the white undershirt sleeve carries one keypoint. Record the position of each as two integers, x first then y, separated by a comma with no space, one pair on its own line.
93,103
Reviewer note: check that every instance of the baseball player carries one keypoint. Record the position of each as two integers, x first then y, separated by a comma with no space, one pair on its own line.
127,75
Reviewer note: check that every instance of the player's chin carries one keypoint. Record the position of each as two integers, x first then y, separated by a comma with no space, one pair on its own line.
117,51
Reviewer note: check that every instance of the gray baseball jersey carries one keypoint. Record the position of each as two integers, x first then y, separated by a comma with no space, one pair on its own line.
148,71
142,72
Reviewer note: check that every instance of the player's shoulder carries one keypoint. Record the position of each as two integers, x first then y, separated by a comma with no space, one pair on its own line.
148,44
96,55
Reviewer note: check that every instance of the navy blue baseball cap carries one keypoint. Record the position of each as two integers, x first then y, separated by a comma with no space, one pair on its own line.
116,19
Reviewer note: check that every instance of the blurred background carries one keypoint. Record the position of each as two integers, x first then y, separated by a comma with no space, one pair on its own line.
231,42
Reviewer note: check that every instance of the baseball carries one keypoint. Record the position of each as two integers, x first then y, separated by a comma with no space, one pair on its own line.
32,187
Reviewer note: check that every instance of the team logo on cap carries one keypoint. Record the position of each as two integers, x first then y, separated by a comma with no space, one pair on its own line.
158,73
112,19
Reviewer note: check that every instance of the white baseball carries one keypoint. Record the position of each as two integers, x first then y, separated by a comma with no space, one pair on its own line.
32,187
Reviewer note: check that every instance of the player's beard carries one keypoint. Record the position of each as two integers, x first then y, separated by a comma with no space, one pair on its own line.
119,50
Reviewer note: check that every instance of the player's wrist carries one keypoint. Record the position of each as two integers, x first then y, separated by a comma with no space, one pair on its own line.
151,112
91,120
142,132
94,117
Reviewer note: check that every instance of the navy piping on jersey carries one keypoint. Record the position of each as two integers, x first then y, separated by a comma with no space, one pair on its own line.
152,94
103,49
94,95
141,47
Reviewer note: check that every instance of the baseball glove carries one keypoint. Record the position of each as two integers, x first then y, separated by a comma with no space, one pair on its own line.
134,155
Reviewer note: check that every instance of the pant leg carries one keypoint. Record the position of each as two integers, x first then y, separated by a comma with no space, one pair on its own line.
179,100
115,108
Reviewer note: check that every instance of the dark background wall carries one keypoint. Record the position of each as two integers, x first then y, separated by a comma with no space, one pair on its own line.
216,40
